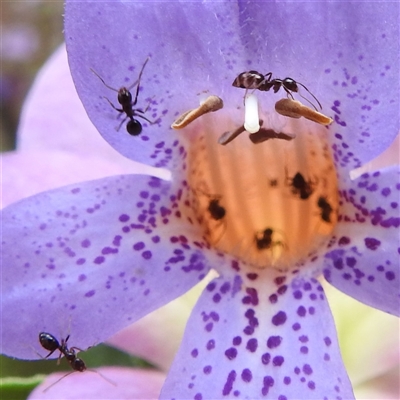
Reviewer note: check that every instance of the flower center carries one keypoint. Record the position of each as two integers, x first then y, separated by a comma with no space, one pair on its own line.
268,204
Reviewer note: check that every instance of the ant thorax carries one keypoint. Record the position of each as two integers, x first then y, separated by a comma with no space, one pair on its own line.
262,202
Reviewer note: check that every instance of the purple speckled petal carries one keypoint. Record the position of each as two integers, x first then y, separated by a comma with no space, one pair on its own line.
364,263
91,258
328,46
259,337
372,198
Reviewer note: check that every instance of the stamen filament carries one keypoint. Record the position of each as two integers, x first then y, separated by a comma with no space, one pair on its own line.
251,118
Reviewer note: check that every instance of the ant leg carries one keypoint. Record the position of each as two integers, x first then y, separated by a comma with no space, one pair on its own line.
105,84
119,126
138,82
58,380
146,119
112,105
288,92
311,95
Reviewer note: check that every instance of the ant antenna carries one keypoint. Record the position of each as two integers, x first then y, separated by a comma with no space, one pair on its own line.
311,95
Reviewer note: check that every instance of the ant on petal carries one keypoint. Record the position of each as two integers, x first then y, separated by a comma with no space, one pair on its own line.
255,80
300,187
50,343
215,209
133,127
326,209
263,240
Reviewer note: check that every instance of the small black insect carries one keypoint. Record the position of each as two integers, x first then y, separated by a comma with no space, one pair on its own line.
255,80
326,209
264,239
215,209
49,342
133,127
300,187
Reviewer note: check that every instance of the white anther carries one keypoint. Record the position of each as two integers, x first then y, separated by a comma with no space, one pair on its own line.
251,118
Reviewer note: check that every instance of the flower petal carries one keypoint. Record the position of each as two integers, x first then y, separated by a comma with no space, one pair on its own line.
171,79
344,65
90,259
129,384
146,338
29,172
259,337
364,262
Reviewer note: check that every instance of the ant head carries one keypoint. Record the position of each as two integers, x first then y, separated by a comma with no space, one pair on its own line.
290,84
298,180
134,127
124,96
48,341
267,232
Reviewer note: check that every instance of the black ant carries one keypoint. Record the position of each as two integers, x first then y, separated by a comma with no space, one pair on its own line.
133,127
49,342
326,209
264,240
215,209
255,80
300,186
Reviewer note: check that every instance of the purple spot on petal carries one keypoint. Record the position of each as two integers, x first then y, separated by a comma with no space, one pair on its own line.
237,340
138,246
274,341
231,353
278,361
279,318
372,243
265,358
252,345
99,260
207,369
85,243
194,353
327,341
311,385
124,217
247,376
301,311
296,326
147,255
229,383
210,344
81,277
307,369
90,293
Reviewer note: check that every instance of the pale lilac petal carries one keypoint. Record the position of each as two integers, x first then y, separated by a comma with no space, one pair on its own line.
57,144
146,337
318,44
29,172
250,339
129,384
90,259
369,338
365,261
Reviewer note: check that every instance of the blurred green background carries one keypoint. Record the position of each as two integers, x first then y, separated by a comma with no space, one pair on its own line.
30,32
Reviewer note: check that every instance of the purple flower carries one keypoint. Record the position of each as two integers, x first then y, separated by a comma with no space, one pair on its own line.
94,257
